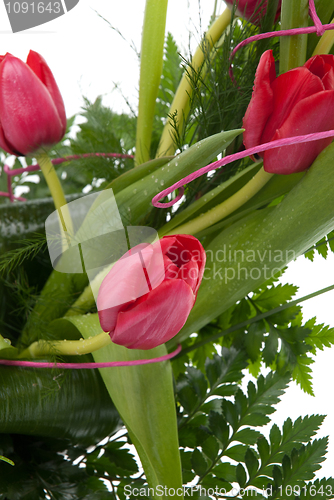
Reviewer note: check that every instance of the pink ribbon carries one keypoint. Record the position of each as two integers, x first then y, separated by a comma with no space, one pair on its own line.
56,161
89,366
228,159
318,28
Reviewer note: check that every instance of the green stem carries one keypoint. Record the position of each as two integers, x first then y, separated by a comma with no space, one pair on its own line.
180,105
255,319
52,180
66,347
56,191
86,300
226,207
151,60
325,43
294,14
8,460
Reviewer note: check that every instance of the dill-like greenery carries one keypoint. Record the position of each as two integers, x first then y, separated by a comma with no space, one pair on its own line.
27,249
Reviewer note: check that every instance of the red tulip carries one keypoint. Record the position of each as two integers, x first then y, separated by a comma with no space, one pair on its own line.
298,102
32,113
143,307
252,10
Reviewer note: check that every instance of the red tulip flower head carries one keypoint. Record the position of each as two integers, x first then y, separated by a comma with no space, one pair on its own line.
32,113
298,102
252,10
146,298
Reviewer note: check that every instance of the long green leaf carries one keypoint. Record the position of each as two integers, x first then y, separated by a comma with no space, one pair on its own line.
253,249
135,174
135,201
144,397
49,402
151,60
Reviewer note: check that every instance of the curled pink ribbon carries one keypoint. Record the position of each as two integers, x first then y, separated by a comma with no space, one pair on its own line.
228,159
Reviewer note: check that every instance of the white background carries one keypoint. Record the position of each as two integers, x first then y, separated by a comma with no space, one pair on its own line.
88,58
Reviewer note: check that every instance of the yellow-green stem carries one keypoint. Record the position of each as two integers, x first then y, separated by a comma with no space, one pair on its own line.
52,180
226,207
86,300
325,43
56,191
66,347
180,104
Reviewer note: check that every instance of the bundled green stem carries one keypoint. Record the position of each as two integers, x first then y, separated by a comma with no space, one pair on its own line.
226,207
180,106
293,48
67,347
151,60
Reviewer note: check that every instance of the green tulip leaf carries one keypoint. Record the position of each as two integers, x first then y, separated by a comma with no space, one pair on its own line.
136,174
253,249
134,208
144,397
56,403
277,186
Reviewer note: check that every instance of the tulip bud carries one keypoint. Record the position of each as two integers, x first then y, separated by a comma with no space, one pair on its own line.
298,102
147,296
32,113
252,10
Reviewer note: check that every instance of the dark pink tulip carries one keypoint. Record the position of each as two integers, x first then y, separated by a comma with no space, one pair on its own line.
146,298
252,10
298,102
32,113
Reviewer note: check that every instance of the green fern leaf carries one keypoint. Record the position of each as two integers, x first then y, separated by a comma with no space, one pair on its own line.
302,373
303,463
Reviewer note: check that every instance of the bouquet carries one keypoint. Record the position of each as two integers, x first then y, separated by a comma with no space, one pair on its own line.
138,297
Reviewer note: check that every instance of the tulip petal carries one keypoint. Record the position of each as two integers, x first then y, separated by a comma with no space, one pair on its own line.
156,318
313,114
322,66
253,10
289,89
183,248
125,283
5,144
189,273
261,104
39,66
171,269
29,117
328,79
